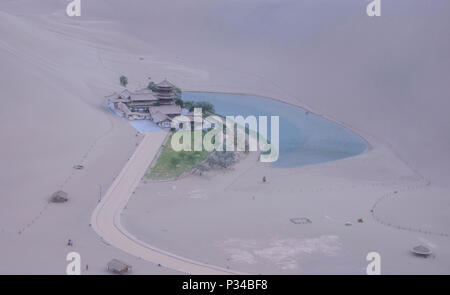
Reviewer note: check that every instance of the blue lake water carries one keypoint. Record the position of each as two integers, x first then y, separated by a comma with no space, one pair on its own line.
305,138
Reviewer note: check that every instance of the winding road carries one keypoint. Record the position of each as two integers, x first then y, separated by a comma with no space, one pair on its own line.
106,222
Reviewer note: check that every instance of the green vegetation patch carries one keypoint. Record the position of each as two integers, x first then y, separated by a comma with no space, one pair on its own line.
171,163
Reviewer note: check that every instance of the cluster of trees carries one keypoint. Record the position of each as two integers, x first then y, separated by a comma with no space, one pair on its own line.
218,159
206,107
221,159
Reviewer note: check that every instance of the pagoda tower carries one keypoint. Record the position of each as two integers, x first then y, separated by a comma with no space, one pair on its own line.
165,92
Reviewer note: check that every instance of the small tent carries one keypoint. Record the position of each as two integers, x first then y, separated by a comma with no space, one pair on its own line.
59,197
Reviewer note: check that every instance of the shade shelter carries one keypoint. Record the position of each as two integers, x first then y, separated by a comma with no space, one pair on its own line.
59,197
119,267
421,250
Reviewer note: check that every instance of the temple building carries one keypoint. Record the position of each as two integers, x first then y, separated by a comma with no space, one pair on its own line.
145,104
165,92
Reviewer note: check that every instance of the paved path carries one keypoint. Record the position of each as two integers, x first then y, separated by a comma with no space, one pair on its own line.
106,217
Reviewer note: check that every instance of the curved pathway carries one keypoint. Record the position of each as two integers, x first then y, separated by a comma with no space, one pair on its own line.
106,217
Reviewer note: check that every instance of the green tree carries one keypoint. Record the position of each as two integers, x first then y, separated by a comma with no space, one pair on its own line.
206,107
179,102
189,105
152,86
123,81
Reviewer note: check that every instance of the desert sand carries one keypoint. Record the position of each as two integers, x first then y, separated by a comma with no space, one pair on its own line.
386,79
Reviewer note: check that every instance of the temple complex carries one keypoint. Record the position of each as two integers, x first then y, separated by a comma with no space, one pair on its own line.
145,104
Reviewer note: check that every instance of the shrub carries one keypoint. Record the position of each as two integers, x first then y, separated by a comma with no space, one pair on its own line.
206,107
179,102
174,162
202,167
191,157
152,86
123,81
222,159
189,105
